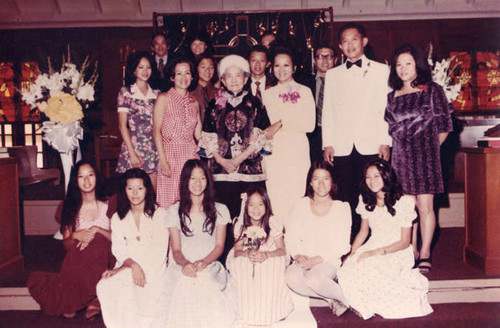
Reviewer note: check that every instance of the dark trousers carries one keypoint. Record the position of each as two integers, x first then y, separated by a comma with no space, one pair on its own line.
315,145
348,175
229,194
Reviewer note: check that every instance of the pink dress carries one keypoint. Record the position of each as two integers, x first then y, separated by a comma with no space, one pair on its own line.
177,131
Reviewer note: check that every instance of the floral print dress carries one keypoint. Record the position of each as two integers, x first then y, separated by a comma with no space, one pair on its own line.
139,109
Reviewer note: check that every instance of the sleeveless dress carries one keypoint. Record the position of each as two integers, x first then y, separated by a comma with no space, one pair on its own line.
177,131
74,287
139,109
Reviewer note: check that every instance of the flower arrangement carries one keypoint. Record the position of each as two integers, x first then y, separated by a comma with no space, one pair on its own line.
292,95
252,239
61,97
441,74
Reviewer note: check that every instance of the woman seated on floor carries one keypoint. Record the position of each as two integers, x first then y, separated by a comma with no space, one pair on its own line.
317,236
197,228
377,277
134,293
86,232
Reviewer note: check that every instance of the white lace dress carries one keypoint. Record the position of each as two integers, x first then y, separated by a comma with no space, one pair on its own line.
386,285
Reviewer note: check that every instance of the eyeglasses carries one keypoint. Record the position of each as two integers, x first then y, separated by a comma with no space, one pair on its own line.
324,57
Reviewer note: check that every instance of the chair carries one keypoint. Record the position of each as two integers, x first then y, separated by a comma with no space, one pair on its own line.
29,173
107,150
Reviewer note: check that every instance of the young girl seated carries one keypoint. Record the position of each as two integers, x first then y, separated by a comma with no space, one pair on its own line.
197,228
258,268
377,277
132,294
85,229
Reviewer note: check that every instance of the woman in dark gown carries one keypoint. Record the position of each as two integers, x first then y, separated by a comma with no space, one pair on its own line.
419,117
86,231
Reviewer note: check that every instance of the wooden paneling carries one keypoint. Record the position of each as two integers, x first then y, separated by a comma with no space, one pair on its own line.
11,258
482,208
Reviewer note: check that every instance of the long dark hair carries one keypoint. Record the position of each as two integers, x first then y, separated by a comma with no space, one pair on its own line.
424,75
133,61
316,165
185,202
123,203
267,214
392,188
73,199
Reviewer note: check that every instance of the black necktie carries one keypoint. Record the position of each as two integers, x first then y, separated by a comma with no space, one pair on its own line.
161,66
258,94
350,63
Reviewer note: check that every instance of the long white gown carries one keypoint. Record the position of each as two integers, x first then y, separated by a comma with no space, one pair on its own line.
386,285
287,166
123,303
201,301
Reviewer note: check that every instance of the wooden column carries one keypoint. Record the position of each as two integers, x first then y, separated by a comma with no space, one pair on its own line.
482,209
11,258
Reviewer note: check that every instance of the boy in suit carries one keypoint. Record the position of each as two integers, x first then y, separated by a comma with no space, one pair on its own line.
160,45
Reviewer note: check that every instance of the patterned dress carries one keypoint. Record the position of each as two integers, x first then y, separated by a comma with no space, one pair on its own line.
385,284
177,131
415,121
263,297
139,109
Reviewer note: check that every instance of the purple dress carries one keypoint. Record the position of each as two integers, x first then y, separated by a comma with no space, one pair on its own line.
415,122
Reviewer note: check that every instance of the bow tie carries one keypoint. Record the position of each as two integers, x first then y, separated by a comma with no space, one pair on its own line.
350,63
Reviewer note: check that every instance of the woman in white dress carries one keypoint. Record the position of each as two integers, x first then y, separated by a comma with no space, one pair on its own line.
132,294
197,228
292,113
377,277
317,236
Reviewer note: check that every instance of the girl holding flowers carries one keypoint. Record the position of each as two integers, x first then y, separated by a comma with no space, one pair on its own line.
258,263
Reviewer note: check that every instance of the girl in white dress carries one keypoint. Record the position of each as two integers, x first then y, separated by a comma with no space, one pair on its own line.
132,294
259,275
377,277
317,236
197,228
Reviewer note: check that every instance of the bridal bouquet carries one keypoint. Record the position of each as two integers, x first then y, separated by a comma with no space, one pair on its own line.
441,74
253,237
61,96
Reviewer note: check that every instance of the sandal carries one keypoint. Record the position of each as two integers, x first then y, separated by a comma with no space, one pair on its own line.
424,265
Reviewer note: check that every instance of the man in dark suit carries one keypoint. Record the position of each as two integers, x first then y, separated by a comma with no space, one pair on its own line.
259,80
324,59
160,44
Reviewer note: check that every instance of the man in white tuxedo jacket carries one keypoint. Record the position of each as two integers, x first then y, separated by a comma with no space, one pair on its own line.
354,131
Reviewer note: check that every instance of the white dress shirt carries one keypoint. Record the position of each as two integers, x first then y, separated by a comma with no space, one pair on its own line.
262,85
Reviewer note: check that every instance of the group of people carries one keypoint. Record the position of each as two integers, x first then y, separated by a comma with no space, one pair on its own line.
302,173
